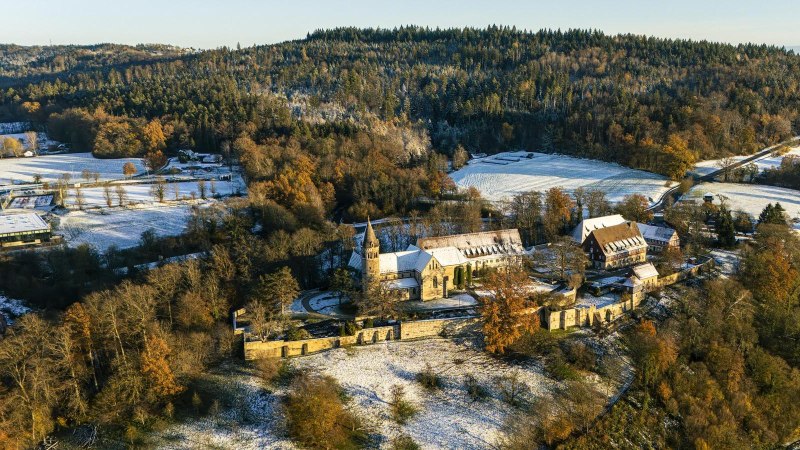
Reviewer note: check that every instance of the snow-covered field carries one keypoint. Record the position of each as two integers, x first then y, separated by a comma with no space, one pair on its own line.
325,303
122,227
750,198
500,177
454,301
142,193
446,419
51,167
770,162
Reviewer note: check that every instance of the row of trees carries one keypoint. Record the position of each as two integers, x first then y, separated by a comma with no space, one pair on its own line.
544,216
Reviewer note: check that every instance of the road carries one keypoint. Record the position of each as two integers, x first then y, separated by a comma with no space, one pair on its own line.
675,194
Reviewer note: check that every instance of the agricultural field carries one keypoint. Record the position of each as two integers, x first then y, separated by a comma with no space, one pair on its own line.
52,167
142,193
750,198
122,227
500,177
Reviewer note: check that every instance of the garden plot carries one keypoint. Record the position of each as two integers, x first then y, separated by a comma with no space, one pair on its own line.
750,198
504,175
122,227
52,167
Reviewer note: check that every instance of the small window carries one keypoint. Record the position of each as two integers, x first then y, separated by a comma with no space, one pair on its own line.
435,282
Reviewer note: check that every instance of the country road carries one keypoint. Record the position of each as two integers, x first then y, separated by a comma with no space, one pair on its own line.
673,192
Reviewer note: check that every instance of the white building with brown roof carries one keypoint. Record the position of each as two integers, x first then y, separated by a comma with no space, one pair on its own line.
435,265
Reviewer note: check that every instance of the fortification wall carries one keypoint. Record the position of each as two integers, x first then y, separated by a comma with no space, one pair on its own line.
439,327
405,330
284,349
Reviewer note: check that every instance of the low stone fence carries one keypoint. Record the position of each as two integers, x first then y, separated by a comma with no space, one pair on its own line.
256,349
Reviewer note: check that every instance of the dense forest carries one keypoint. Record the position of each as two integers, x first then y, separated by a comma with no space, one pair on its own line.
19,63
655,104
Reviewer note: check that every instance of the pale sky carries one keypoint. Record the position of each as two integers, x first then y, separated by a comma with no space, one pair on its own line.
214,23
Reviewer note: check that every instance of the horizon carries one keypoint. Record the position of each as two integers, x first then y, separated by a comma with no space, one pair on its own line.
208,25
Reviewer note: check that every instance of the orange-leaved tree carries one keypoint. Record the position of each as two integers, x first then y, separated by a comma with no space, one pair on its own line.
506,311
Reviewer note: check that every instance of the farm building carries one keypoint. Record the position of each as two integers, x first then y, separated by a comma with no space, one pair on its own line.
616,246
585,228
23,229
659,238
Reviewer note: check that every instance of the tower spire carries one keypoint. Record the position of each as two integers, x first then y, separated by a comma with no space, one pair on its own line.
370,239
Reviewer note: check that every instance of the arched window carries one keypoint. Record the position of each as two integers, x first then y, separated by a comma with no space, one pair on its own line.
435,282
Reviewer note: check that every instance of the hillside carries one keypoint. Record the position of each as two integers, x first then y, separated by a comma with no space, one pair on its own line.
648,103
29,63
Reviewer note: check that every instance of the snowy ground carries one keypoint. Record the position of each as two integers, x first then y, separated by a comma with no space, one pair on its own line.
588,300
142,193
750,198
726,260
455,301
51,167
500,177
325,303
770,162
446,419
10,309
122,227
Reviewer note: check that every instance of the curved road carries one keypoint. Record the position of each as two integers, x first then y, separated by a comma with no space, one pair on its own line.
673,192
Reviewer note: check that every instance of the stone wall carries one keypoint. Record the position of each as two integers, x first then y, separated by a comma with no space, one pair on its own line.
255,349
284,349
438,327
591,315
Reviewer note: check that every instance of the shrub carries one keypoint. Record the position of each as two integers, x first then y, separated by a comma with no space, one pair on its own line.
404,442
402,409
512,388
429,379
581,356
350,328
558,368
269,370
293,333
474,389
369,323
316,416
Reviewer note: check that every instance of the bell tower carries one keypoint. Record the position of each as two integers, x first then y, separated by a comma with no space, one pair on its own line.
370,266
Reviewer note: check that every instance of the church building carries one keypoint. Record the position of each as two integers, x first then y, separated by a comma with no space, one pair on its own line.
434,266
